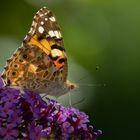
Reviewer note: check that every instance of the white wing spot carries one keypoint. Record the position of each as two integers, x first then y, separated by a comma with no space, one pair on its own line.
41,15
47,12
58,34
56,52
41,29
46,19
34,23
31,31
52,19
51,33
38,12
42,22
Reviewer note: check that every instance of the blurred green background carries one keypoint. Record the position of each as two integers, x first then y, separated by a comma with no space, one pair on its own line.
102,39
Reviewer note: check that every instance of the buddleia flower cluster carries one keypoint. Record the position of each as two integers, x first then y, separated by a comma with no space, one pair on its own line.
28,117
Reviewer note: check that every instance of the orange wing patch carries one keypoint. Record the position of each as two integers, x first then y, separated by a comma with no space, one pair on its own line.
43,44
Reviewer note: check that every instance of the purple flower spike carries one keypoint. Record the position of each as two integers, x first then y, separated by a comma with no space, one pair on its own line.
28,117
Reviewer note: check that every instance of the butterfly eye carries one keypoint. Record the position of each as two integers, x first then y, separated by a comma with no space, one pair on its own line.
72,87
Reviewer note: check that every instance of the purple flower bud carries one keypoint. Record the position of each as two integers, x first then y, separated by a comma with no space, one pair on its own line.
67,129
8,132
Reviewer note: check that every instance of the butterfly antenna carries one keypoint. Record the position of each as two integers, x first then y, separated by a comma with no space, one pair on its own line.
92,85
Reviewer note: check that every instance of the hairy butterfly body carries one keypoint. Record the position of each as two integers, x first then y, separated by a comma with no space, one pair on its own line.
40,64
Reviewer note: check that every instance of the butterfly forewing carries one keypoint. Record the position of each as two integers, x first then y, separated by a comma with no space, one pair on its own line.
46,31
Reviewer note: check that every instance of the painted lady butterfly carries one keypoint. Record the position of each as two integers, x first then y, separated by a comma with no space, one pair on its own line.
40,64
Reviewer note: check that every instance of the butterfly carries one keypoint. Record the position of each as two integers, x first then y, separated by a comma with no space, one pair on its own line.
40,64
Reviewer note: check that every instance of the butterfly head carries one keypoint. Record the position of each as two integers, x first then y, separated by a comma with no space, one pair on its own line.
71,86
